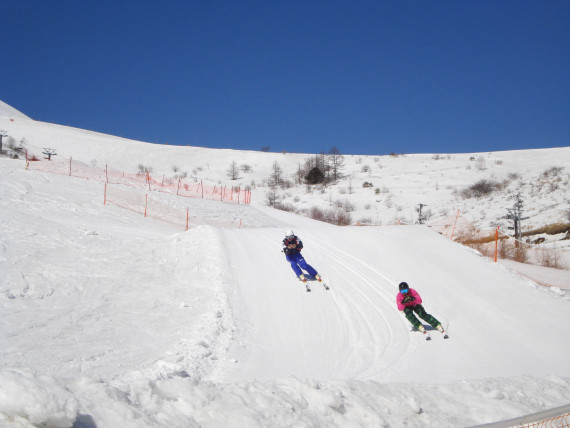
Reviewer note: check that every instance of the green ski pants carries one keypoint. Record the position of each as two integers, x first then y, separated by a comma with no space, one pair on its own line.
419,309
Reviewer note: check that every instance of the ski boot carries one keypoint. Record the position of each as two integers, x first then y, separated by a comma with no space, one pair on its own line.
318,278
442,331
423,330
304,281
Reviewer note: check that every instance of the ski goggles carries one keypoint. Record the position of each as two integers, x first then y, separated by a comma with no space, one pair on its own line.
404,291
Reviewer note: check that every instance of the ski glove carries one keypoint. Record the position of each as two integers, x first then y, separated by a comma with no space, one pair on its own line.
408,299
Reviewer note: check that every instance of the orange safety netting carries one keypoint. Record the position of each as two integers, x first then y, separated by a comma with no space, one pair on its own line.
493,243
173,185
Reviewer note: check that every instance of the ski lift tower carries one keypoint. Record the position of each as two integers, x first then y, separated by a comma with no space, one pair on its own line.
2,134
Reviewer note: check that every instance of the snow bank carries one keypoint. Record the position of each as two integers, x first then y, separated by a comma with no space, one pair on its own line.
180,401
30,400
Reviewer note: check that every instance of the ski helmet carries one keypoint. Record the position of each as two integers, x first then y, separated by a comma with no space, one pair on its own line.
289,234
403,286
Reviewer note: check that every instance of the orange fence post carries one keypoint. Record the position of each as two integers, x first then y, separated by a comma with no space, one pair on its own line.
105,195
453,231
106,174
496,242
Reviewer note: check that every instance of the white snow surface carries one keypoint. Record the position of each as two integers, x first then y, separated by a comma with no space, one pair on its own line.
112,319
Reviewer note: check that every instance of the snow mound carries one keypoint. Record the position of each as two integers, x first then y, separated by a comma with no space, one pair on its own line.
29,400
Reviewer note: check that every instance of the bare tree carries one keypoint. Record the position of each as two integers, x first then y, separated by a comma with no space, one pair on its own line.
300,175
277,175
233,171
336,162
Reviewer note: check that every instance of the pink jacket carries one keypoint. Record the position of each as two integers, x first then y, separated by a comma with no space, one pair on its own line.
400,297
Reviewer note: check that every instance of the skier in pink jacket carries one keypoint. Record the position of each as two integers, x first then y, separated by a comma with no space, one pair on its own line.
409,301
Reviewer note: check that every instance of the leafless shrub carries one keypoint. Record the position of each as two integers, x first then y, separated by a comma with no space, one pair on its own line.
337,217
480,188
513,176
144,169
551,172
348,206
340,218
367,184
317,213
283,206
549,257
271,197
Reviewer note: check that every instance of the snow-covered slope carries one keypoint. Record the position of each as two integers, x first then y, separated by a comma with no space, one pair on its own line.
111,319
376,190
11,112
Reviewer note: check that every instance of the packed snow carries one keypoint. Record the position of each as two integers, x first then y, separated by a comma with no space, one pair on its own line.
113,319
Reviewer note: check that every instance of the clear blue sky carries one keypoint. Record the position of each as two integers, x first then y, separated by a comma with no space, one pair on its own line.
369,77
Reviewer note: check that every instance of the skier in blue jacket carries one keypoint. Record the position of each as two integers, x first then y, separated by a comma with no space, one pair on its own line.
292,247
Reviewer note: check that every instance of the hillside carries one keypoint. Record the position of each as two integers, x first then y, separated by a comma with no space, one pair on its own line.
397,183
113,319
123,319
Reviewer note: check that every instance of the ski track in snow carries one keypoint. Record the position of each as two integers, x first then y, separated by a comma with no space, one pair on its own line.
374,320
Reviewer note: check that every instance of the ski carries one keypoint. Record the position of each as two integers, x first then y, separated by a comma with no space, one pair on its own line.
305,278
324,284
304,281
319,279
428,336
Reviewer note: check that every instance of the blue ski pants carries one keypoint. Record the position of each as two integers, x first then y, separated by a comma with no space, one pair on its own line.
298,262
